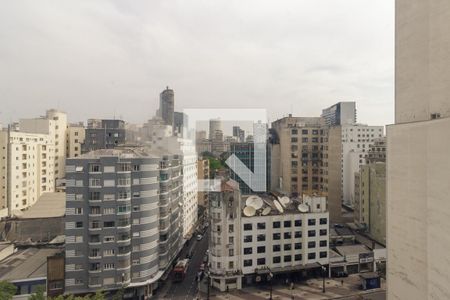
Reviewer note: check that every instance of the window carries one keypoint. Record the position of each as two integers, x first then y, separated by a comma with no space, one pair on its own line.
261,249
323,221
311,256
276,224
109,211
108,224
109,239
287,258
123,208
94,196
323,254
312,222
248,262
230,240
94,238
248,239
95,182
124,167
108,266
109,252
311,233
95,252
298,234
261,238
261,261
95,224
123,181
287,247
230,252
305,131
311,245
276,248
287,235
294,140
261,226
298,257
231,228
298,246
248,226
323,232
95,210
248,251
323,243
276,236
287,224
78,210
136,167
79,225
95,168
276,259
298,223
94,266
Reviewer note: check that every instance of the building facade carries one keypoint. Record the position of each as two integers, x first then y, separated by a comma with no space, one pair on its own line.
417,154
103,134
298,169
122,223
75,139
203,174
340,114
244,249
28,172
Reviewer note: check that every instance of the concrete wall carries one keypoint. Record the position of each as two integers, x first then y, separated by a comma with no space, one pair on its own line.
334,186
422,55
418,210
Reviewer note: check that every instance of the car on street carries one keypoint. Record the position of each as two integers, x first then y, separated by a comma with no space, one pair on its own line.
199,237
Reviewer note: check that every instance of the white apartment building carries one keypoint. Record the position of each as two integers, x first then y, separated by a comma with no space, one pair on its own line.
245,247
356,140
75,137
54,123
27,168
161,139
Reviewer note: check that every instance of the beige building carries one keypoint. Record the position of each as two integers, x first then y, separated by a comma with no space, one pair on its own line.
54,124
347,148
370,200
203,174
418,147
297,164
27,168
75,137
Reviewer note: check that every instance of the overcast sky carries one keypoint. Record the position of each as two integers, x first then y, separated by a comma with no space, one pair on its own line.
112,58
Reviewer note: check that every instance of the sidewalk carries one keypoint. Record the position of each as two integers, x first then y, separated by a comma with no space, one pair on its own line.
308,290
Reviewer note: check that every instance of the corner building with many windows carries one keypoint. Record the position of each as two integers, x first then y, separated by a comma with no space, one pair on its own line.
245,249
122,222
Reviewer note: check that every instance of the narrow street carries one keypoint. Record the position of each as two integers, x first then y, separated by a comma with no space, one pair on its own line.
187,289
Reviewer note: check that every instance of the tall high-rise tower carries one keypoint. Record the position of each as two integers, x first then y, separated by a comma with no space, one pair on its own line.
167,106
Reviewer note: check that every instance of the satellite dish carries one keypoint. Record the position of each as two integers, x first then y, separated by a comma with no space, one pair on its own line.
249,211
255,202
278,206
266,211
303,208
284,201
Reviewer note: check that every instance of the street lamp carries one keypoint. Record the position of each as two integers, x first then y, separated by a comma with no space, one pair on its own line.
270,277
324,269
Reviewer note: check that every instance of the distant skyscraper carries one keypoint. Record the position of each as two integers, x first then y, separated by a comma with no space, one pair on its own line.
341,113
180,121
167,106
214,125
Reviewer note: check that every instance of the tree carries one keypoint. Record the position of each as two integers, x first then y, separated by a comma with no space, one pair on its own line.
7,290
119,294
98,296
39,294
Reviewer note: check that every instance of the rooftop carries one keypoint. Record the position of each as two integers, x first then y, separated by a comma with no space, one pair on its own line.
352,249
28,263
266,204
49,205
122,152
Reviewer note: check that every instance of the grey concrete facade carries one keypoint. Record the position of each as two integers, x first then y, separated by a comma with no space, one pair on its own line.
122,225
103,134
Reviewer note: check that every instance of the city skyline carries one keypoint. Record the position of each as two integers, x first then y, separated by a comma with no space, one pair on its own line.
277,57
